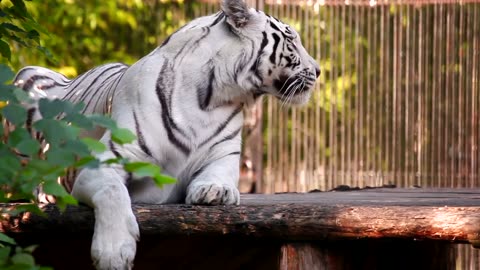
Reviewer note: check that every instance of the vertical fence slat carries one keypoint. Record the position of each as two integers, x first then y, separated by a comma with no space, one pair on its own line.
434,128
475,95
419,146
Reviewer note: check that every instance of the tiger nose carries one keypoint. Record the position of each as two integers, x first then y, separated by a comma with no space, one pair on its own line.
317,71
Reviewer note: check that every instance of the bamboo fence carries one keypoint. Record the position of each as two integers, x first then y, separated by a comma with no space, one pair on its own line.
397,103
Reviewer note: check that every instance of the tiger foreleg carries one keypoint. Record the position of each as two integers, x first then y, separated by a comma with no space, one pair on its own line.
116,230
216,183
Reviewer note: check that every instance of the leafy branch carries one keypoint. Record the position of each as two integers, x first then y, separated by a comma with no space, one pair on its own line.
27,163
17,25
40,154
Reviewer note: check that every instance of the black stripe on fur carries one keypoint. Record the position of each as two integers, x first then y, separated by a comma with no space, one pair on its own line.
227,138
113,148
100,88
220,16
204,94
254,67
222,126
168,122
31,81
140,138
276,39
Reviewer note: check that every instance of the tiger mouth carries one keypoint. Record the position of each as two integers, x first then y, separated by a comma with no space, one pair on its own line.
293,85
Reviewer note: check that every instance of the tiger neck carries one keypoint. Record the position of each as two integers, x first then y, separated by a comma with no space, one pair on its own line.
203,66
204,107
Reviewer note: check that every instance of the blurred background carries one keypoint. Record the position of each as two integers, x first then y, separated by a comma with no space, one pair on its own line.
397,102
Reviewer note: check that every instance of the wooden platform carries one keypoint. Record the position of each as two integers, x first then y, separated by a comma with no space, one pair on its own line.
444,215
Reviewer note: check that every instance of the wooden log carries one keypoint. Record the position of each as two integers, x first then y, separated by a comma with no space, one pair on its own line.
368,254
72,252
402,214
302,256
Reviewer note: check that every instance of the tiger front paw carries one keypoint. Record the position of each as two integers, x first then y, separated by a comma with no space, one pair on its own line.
209,193
114,245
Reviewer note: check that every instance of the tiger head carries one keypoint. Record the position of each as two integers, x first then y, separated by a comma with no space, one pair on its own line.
282,68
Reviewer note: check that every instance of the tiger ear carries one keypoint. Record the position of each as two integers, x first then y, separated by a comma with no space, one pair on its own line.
236,11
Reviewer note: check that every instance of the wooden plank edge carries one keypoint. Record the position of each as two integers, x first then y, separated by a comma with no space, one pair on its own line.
310,222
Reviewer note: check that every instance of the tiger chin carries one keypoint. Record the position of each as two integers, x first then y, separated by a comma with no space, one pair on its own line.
184,102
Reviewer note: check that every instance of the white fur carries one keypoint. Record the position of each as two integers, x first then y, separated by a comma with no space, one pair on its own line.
209,172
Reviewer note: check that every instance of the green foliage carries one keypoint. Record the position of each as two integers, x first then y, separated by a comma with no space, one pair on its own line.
13,257
144,169
84,34
25,163
18,27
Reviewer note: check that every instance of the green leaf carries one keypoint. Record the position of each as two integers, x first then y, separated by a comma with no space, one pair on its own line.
6,74
4,255
6,95
31,24
103,121
19,40
5,239
29,147
33,34
9,164
19,94
57,171
79,120
21,140
60,157
30,249
122,136
3,196
51,108
5,50
142,169
29,176
54,188
12,27
56,132
119,160
74,108
19,9
26,187
94,145
17,136
30,207
87,162
161,179
41,166
66,200
23,258
15,113
76,147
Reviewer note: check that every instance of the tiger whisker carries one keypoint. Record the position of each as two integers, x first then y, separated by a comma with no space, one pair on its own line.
286,92
290,94
298,86
281,89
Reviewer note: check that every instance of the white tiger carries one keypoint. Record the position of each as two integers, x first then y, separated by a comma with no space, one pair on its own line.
184,102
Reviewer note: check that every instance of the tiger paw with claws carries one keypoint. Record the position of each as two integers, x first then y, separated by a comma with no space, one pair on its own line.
212,194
